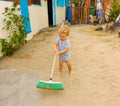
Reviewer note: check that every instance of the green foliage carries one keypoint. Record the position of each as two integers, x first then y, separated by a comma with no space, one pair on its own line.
6,47
16,31
75,1
114,11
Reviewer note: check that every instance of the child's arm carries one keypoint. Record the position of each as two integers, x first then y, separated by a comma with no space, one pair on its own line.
60,52
55,47
63,51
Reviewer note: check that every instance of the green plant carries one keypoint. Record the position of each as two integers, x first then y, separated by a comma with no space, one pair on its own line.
76,2
16,31
114,11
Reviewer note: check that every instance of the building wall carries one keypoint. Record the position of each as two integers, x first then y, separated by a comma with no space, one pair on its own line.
38,17
60,17
3,34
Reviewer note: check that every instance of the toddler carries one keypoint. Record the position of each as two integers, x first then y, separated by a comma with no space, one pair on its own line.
62,48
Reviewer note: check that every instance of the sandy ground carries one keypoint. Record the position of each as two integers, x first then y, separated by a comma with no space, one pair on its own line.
95,62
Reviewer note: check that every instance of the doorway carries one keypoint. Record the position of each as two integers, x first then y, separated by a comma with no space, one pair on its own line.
50,12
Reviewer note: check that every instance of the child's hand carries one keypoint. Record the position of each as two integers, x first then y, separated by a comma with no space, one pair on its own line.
55,50
57,53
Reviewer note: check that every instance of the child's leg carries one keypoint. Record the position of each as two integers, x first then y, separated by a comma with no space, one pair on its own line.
69,66
60,66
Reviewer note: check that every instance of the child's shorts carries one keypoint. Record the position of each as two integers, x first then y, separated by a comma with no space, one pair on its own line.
64,58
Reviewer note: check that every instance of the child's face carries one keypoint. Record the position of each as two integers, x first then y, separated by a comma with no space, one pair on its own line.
63,37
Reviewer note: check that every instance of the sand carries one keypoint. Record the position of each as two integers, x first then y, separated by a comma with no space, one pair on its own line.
95,57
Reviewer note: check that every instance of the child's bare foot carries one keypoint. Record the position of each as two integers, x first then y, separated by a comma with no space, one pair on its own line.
60,72
70,72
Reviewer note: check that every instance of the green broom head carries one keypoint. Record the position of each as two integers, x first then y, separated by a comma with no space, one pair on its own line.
50,85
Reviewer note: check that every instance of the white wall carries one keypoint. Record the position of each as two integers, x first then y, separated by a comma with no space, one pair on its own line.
60,14
3,4
38,18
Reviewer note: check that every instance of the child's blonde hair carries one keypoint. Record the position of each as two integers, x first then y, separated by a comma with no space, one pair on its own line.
64,29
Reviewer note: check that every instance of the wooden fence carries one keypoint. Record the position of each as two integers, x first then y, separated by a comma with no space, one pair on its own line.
80,15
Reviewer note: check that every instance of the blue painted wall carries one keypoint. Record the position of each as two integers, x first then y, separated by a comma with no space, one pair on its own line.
60,3
25,13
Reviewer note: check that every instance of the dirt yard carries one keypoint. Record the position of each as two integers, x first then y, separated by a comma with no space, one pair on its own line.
95,62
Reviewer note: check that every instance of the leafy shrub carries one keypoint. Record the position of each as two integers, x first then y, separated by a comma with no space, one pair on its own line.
114,11
16,31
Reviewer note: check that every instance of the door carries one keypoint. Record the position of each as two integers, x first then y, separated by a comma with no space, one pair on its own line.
25,13
51,12
54,12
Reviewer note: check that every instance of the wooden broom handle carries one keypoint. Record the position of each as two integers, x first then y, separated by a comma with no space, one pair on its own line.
51,75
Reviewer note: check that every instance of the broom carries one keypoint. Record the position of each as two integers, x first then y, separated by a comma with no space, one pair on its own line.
50,85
